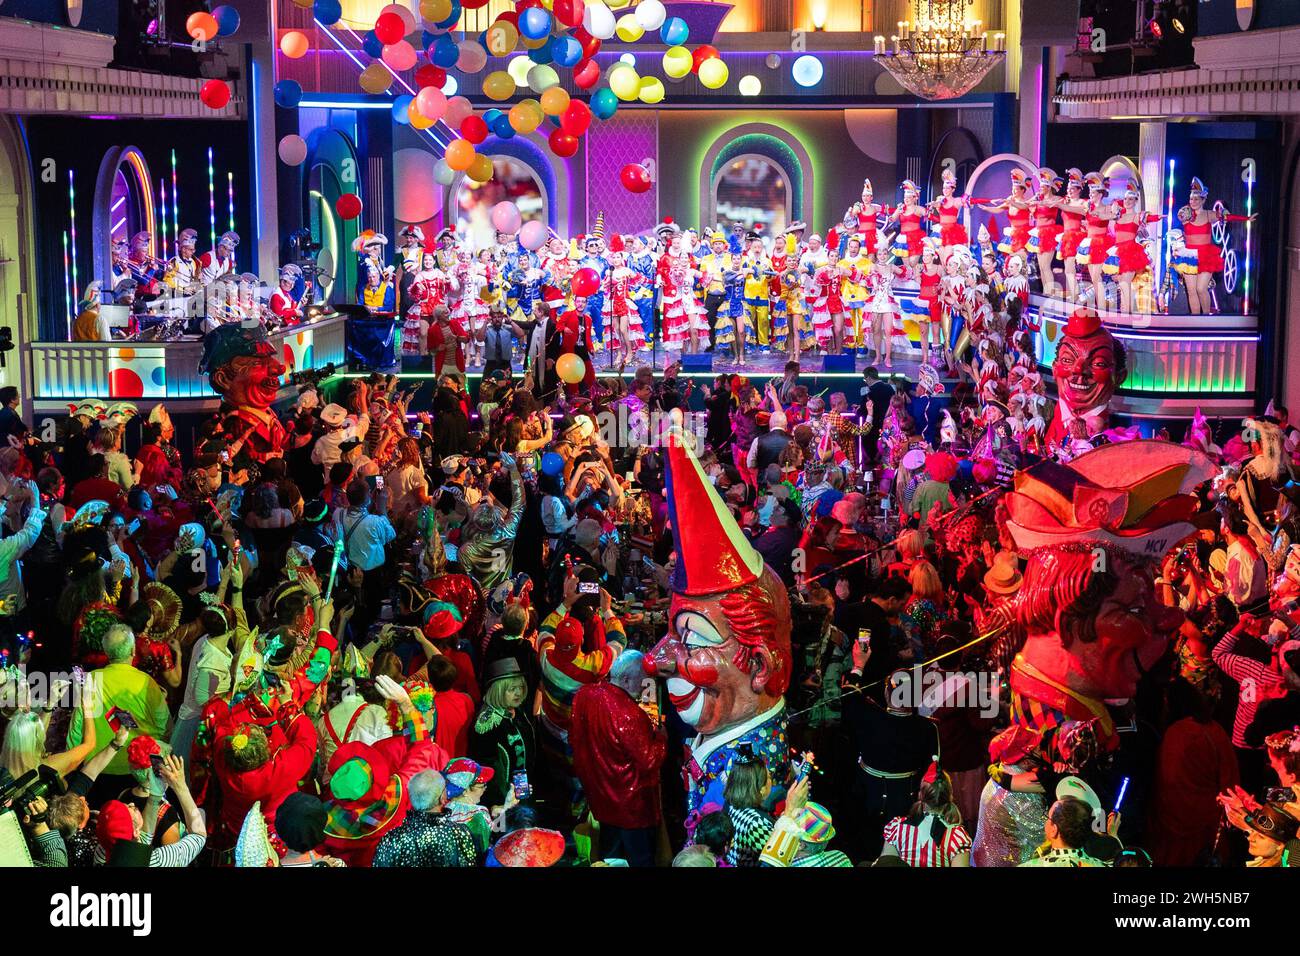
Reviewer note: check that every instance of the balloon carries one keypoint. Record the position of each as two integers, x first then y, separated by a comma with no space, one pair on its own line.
402,109
569,12
651,14
294,44
501,127
445,52
288,94
370,43
375,79
417,119
541,78
604,103
389,27
292,150
328,12
674,31
505,217
586,74
502,37
571,368
535,23
227,18
430,75
533,235
598,21
590,45
498,85
399,56
481,169
555,101
713,73
677,62
433,11
552,464
585,281
403,14
474,129
447,21
522,119
458,107
629,29
472,57
700,54
562,144
443,174
539,51
492,115
348,206
652,90
566,51
576,118
202,26
214,94
634,178
460,153
750,85
623,80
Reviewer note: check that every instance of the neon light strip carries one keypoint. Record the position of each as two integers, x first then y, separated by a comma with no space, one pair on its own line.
162,206
1250,204
67,284
121,222
72,220
116,204
230,198
176,216
212,203
1169,224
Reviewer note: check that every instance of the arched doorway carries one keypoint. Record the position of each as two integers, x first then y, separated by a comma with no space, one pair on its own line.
512,180
747,144
18,310
124,205
958,150
332,172
750,190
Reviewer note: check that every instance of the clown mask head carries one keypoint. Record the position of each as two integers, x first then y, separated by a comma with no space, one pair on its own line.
1089,364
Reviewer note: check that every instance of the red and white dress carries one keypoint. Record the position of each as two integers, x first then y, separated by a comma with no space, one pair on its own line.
471,309
882,308
618,293
428,291
951,230
927,842
679,313
1047,229
1017,234
827,301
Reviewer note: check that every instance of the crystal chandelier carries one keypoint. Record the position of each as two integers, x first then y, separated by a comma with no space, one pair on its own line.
941,54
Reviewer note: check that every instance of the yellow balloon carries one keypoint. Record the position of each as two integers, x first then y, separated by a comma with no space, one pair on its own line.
617,4
435,11
460,154
502,37
911,329
375,78
555,101
625,82
418,119
535,111
677,62
521,119
570,368
480,170
652,90
713,73
629,30
537,44
498,85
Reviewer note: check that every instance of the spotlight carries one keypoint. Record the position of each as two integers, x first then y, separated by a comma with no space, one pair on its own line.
807,70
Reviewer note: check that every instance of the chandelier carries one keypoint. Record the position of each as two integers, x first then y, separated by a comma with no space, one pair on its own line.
941,54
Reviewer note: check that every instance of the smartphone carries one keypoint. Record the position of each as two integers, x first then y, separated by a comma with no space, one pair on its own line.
118,719
156,762
588,587
133,527
379,482
519,782
225,456
864,636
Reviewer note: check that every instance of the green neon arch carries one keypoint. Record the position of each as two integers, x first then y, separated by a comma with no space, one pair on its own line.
769,146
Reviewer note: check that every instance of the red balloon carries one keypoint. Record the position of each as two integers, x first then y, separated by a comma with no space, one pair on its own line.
389,28
474,129
569,12
522,5
700,54
510,17
585,282
576,118
562,144
586,74
214,94
474,4
348,206
634,178
590,45
430,75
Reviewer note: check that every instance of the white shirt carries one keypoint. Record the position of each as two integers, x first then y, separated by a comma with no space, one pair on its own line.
365,534
209,677
371,727
403,485
326,451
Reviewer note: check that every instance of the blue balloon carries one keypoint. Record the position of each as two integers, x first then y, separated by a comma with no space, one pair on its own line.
492,115
328,12
543,53
534,23
604,103
428,39
552,464
227,20
445,52
401,109
502,128
674,31
370,43
288,94
566,51
451,17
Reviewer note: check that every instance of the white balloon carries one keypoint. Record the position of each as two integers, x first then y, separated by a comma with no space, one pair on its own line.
292,150
542,77
442,173
650,14
598,20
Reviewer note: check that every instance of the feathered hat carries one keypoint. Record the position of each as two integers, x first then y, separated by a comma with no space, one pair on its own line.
1073,177
368,237
867,187
949,177
616,243
411,232
232,239
1197,188
1019,177
1097,183
907,186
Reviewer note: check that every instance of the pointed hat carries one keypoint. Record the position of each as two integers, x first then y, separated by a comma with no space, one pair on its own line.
713,556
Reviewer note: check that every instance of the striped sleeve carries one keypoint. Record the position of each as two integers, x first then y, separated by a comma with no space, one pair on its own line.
957,840
181,853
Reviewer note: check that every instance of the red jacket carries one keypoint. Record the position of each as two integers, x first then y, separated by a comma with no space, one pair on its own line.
455,717
617,753
269,783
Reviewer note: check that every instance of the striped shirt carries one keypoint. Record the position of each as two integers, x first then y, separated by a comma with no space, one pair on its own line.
916,844
1258,682
563,675
181,853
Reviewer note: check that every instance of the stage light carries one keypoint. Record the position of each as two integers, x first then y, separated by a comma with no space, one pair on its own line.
819,14
1178,25
750,85
1155,29
807,70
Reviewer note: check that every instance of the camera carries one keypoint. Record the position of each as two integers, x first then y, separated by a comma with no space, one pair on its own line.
36,783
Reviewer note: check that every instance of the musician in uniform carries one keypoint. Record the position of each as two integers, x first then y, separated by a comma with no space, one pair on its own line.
220,261
285,306
145,269
183,269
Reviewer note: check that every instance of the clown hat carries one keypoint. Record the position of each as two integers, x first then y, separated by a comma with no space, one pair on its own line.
462,774
366,793
713,556
1082,323
568,634
616,243
534,847
598,230
814,823
444,621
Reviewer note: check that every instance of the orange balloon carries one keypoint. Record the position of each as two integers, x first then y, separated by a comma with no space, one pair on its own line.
418,119
201,26
481,169
294,44
460,154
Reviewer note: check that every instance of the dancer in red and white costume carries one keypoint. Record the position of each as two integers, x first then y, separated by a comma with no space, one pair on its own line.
864,214
911,218
1092,252
676,278
828,301
1198,222
1128,258
948,209
628,336
1074,210
882,307
472,308
1017,206
1046,231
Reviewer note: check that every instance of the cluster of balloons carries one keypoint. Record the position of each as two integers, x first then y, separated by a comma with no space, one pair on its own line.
203,26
